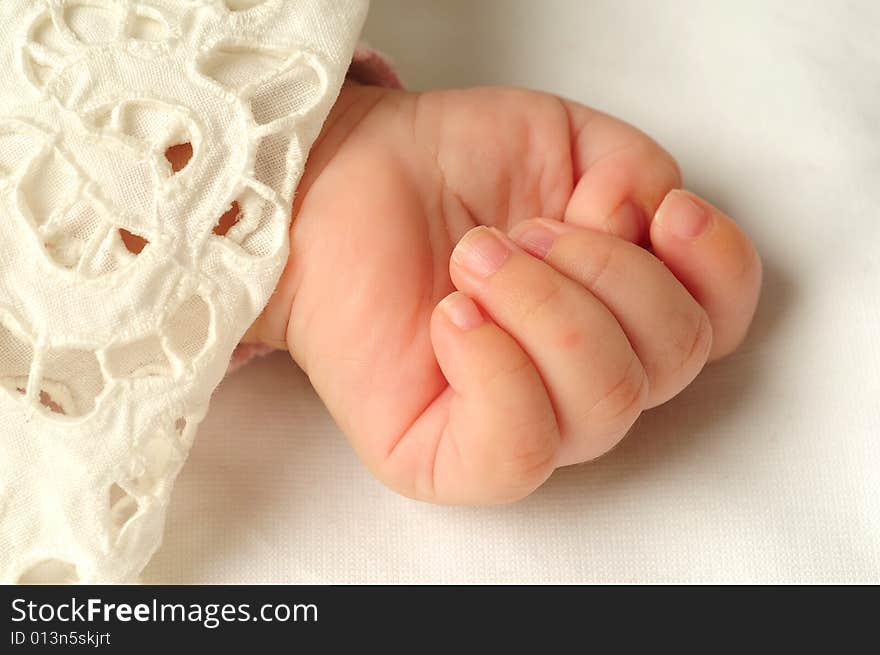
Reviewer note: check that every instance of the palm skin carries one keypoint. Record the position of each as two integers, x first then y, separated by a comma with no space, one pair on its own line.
392,185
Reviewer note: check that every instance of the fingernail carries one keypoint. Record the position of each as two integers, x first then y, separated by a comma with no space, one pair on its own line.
482,251
462,311
682,216
628,222
535,238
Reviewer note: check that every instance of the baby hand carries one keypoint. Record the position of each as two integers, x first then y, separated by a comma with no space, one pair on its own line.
468,348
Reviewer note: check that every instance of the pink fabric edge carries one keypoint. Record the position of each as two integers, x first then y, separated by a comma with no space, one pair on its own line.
374,68
370,67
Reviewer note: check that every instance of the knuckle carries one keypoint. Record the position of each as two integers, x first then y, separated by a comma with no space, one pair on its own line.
623,400
699,343
530,459
529,463
685,351
517,365
544,298
512,459
597,266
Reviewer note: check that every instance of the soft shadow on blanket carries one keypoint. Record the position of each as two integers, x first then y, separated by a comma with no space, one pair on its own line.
270,474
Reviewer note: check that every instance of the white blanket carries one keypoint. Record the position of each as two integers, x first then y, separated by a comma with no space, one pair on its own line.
767,469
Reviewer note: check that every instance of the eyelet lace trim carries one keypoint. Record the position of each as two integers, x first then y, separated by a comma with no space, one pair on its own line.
149,151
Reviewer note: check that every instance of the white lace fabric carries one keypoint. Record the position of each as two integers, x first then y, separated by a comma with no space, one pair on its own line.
126,281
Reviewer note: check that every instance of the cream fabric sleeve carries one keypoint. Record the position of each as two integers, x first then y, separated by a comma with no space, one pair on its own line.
126,282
